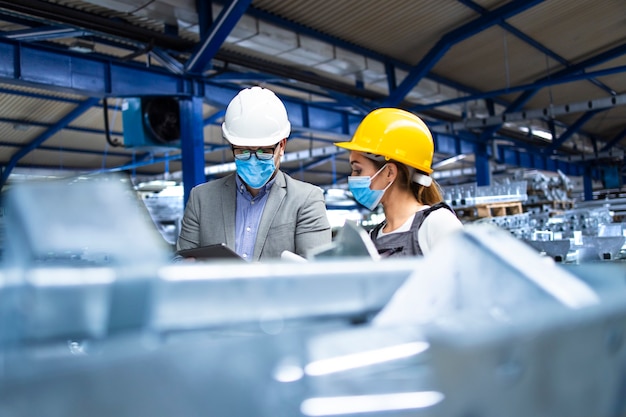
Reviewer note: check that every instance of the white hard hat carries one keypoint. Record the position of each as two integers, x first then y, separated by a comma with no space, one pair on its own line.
255,117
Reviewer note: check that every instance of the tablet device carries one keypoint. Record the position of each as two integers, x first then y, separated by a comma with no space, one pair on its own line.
218,251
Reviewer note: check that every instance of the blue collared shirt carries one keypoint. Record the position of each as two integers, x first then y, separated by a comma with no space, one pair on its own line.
248,217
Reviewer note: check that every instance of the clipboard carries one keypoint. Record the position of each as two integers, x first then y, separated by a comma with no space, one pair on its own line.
217,251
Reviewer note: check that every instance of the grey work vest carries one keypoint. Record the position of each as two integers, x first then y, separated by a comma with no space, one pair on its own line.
403,243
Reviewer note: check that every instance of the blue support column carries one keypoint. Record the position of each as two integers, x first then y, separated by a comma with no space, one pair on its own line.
587,184
483,171
192,143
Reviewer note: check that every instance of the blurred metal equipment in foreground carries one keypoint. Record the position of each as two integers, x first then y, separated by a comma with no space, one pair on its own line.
548,364
484,326
79,222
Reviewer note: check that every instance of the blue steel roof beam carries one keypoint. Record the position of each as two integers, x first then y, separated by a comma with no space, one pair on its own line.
211,43
565,136
452,38
61,124
43,33
540,84
166,60
618,138
32,64
530,41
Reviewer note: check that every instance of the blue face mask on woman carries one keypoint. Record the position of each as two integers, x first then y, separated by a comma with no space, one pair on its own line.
360,188
254,171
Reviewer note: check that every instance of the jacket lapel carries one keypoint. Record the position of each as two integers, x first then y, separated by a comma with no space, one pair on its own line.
229,202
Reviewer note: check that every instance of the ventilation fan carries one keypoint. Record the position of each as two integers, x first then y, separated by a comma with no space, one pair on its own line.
151,122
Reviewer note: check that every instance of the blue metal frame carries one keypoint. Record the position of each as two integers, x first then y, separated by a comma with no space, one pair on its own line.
565,136
216,36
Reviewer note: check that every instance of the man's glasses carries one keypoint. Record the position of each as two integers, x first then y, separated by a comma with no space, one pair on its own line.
262,154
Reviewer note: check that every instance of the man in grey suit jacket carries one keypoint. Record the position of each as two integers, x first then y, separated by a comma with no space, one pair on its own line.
259,211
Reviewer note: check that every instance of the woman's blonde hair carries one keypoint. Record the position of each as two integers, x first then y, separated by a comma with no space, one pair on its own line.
424,195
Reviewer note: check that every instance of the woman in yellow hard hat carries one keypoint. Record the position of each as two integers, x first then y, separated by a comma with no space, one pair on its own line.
391,156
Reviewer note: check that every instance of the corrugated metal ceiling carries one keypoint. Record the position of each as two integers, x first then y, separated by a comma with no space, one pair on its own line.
404,30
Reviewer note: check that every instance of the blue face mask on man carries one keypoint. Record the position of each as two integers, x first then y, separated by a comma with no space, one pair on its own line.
254,171
360,188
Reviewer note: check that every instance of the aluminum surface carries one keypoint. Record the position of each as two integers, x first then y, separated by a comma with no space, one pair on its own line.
484,270
483,325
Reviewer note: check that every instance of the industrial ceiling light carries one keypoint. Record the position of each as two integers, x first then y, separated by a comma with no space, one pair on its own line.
83,46
449,161
537,132
22,127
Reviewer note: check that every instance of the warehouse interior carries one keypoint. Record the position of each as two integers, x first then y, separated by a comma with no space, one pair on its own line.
111,112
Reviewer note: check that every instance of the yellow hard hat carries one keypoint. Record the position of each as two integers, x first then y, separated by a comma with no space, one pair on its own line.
395,134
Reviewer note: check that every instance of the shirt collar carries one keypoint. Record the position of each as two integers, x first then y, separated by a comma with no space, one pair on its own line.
241,187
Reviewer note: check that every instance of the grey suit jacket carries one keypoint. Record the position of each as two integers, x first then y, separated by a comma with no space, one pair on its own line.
294,217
